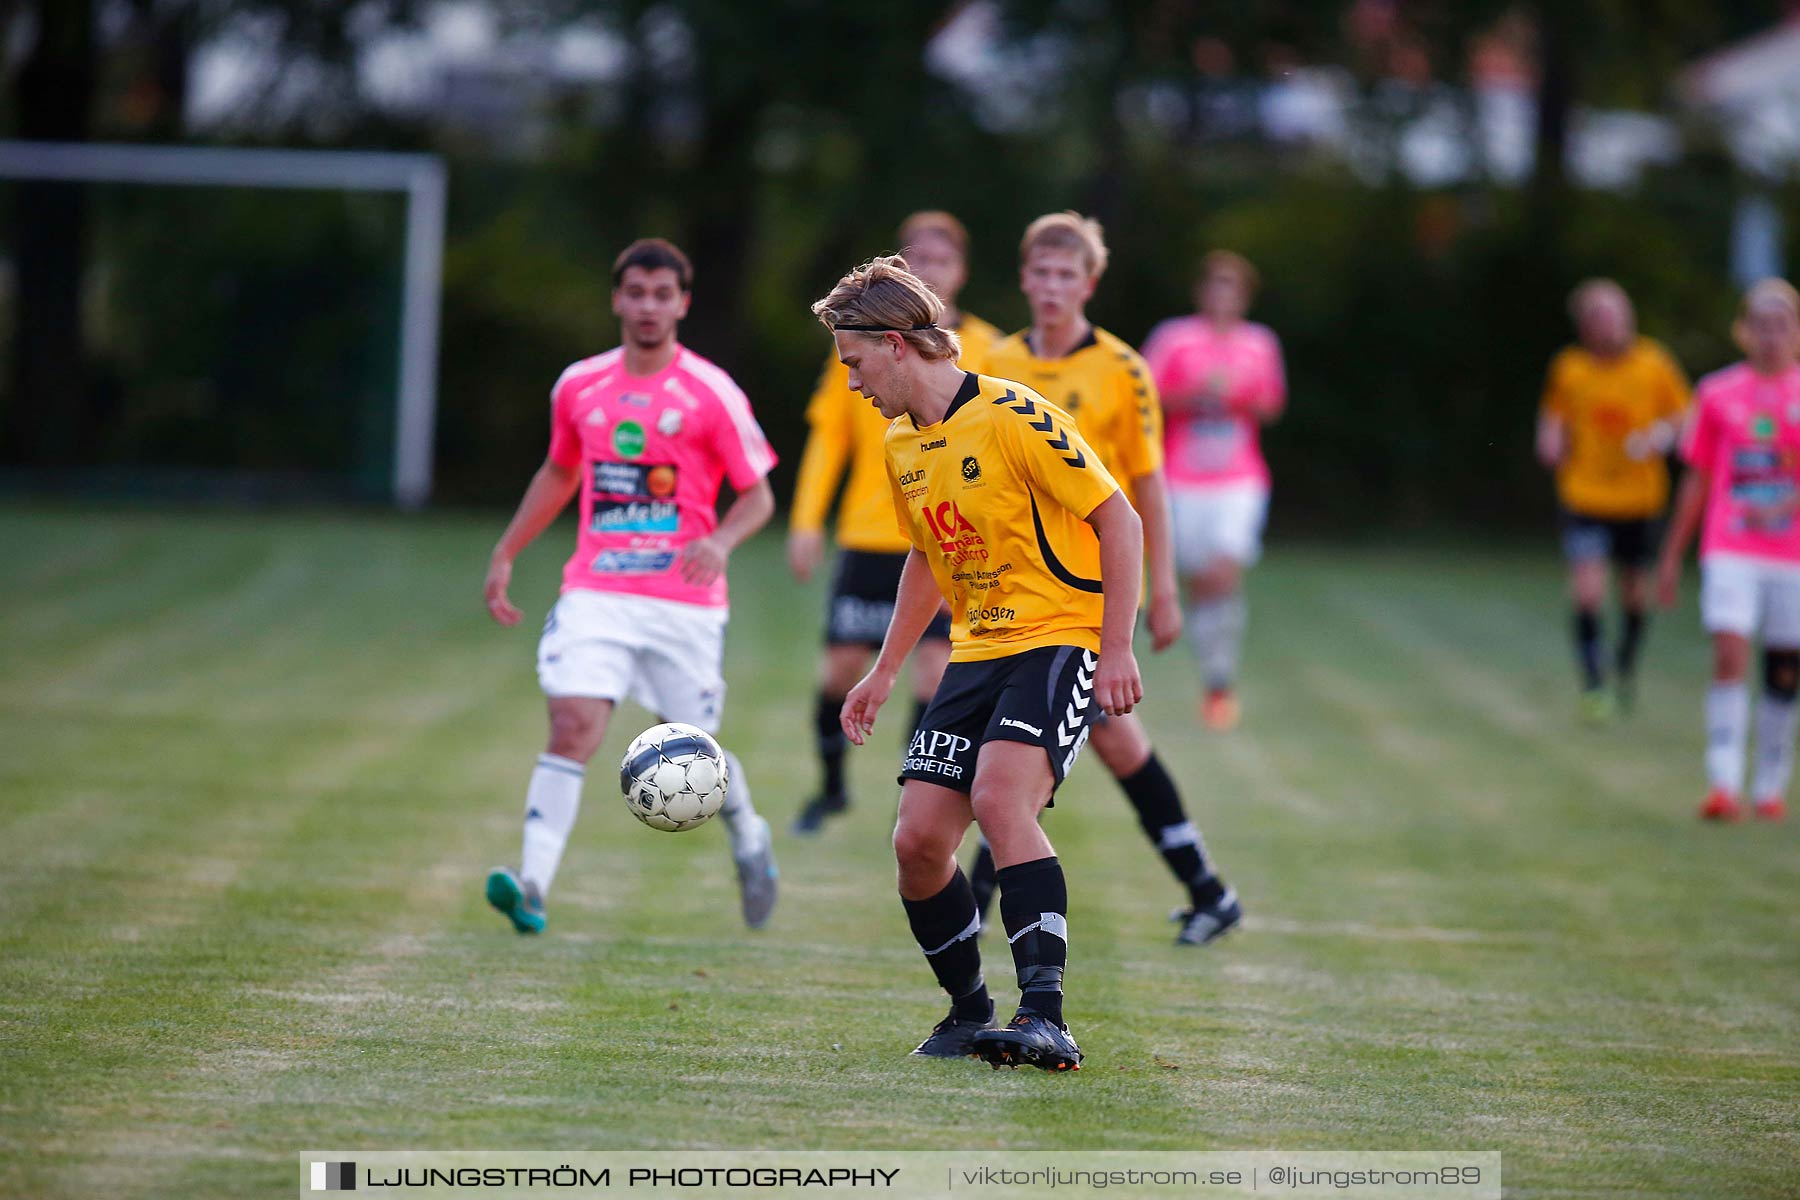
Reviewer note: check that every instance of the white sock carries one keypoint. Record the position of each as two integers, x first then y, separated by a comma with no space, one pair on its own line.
551,802
749,833
1776,719
1727,729
1215,632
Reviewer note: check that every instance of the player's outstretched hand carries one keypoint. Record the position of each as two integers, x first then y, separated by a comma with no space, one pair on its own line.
805,550
499,575
1165,622
1117,685
865,700
1668,581
702,561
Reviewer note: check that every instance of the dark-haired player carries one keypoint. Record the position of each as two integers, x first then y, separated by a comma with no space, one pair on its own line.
644,433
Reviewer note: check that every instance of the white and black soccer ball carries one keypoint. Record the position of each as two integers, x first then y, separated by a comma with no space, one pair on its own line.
674,777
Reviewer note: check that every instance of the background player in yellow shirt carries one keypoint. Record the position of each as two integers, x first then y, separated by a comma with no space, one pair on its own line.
1103,384
1016,523
846,432
1611,411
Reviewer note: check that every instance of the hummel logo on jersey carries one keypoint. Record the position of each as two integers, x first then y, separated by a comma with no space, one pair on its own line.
937,445
1033,730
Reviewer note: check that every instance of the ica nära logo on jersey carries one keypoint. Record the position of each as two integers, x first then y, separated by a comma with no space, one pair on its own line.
955,536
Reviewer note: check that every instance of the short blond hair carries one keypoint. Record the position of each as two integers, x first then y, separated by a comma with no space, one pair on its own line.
1231,260
1067,230
935,220
1588,290
883,296
1757,294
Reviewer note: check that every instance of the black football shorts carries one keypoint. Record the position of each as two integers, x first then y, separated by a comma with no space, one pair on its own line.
1044,697
861,603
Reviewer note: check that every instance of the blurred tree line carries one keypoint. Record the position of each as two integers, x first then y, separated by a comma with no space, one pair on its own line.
781,143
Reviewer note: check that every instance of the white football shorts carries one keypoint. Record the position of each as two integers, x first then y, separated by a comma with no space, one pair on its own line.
1743,595
664,654
1218,522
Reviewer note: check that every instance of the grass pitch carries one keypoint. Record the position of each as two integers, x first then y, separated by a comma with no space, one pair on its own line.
253,768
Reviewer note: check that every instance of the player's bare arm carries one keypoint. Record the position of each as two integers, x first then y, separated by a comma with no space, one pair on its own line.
1552,442
1653,440
704,559
549,492
914,606
1117,684
822,466
805,551
1690,503
1152,494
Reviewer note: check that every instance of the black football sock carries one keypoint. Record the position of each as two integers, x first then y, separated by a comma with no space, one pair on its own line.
981,879
1625,658
1152,793
832,741
1034,905
944,926
1587,647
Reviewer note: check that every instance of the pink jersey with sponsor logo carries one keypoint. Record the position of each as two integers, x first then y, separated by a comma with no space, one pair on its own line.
651,452
1746,433
1214,384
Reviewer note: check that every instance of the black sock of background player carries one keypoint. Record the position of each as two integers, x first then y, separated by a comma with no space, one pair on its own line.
1152,793
1587,647
1034,904
944,926
981,878
831,741
1633,636
919,707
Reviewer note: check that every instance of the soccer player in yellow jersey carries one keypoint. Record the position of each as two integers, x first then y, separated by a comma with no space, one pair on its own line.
1013,520
845,431
1611,411
1103,384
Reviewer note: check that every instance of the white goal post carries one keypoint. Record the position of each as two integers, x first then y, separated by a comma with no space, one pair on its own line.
420,177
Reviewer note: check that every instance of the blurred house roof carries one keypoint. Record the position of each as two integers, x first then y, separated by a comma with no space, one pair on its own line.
1752,92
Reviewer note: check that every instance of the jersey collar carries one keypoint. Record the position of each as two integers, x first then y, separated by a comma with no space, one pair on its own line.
971,388
1077,348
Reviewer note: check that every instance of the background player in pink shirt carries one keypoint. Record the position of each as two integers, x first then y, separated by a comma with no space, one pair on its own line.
645,432
1743,456
1221,380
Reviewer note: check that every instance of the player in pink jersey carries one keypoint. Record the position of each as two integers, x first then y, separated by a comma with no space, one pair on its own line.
1743,456
1221,380
646,433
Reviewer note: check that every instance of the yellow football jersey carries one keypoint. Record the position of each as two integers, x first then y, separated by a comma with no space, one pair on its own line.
995,496
845,429
1104,386
1600,402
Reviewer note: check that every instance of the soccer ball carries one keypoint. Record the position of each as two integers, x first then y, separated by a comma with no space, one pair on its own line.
674,777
